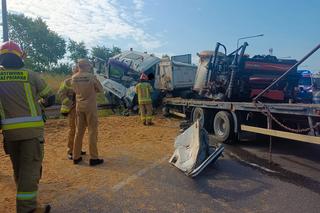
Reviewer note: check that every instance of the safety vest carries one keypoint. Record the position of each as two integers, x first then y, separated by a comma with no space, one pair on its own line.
67,96
20,113
144,90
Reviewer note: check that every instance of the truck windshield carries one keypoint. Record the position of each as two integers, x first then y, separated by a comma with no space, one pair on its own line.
115,72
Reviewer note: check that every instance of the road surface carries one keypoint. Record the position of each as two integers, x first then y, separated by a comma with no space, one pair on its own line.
138,178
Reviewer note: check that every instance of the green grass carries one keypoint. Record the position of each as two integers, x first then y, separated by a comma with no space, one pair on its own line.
101,99
54,81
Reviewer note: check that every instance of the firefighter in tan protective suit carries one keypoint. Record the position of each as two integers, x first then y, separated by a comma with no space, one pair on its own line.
86,85
68,108
22,124
144,90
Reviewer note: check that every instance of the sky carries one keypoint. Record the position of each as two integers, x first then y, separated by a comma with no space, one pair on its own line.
290,28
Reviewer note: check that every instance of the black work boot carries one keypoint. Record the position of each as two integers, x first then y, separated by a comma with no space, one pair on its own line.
70,155
77,161
94,162
42,209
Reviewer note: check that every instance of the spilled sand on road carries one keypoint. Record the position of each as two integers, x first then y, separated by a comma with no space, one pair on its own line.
126,145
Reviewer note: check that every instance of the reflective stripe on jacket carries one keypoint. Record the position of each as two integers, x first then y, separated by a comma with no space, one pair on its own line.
21,116
144,90
67,96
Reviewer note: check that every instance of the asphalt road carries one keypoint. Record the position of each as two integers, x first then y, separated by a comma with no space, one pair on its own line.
291,161
241,181
245,180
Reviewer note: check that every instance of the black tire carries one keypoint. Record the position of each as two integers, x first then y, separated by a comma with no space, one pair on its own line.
135,106
198,113
165,111
223,127
112,99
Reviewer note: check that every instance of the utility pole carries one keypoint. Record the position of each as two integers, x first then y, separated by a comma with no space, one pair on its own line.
5,21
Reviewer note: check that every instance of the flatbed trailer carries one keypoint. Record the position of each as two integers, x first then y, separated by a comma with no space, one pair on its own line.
230,121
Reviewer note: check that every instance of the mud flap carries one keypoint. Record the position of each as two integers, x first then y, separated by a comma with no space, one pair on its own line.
192,152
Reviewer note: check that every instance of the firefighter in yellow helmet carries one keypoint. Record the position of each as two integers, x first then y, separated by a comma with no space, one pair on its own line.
86,85
22,124
68,108
144,90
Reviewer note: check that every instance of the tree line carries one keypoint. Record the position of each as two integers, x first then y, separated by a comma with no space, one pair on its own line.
45,48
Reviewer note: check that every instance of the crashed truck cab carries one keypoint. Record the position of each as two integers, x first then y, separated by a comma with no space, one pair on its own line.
169,77
123,72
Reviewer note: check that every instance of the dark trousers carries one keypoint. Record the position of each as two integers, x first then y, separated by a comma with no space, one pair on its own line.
26,157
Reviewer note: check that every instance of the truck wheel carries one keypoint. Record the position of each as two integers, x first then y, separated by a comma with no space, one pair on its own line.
198,113
223,127
165,111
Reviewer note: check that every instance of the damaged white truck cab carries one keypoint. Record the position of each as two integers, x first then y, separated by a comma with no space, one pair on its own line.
122,73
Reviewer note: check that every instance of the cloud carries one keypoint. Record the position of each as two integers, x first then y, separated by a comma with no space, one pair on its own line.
138,12
91,21
139,4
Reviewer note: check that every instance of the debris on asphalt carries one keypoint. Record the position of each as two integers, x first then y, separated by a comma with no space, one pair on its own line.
192,151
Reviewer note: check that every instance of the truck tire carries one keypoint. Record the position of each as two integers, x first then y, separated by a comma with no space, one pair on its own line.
165,111
198,113
135,105
223,127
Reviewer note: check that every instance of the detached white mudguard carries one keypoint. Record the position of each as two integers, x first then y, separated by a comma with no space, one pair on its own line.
192,152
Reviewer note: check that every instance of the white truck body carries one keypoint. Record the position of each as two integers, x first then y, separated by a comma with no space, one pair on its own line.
171,75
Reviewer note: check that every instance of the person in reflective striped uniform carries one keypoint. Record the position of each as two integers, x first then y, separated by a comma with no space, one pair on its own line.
144,90
68,108
22,124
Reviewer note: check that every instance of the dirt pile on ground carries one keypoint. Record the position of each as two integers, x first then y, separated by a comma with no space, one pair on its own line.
126,145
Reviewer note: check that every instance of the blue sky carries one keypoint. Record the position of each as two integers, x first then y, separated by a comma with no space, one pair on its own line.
291,28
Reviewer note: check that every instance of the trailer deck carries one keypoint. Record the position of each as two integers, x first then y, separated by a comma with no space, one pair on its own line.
305,117
312,110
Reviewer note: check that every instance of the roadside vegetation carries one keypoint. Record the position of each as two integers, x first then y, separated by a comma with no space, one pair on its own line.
50,52
52,55
54,80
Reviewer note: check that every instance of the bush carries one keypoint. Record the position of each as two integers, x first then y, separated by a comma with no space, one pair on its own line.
53,80
62,68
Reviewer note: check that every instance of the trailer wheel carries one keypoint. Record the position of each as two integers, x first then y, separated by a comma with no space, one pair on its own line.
165,111
223,127
198,113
